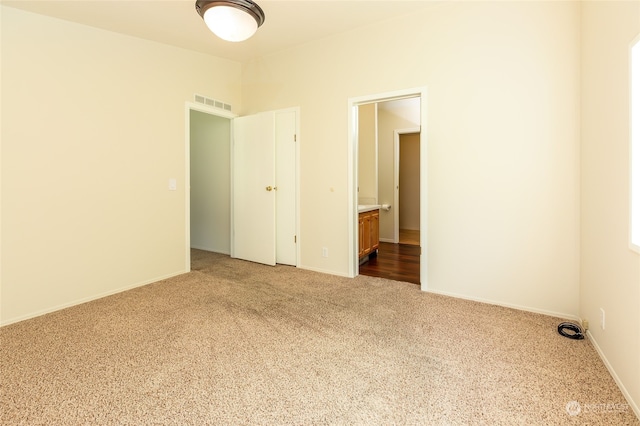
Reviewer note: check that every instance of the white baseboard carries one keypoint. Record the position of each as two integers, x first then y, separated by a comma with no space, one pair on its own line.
323,271
86,299
613,373
508,305
601,354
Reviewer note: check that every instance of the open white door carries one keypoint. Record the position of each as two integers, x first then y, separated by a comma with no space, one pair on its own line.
254,208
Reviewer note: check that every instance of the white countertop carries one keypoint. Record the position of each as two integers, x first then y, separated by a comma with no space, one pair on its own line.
368,207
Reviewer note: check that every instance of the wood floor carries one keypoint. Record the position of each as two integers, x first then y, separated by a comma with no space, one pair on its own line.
400,262
410,236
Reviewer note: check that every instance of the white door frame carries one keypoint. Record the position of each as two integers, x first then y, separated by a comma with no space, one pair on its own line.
396,178
352,189
189,106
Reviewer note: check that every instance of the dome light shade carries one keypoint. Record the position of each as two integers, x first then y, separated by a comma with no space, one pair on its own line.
229,23
231,20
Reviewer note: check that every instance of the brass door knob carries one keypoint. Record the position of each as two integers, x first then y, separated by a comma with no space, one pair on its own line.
268,188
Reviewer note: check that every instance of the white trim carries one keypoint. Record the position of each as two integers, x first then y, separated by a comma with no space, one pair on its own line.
376,149
232,244
89,299
634,146
396,178
396,186
352,186
352,157
324,271
424,191
509,305
615,376
298,142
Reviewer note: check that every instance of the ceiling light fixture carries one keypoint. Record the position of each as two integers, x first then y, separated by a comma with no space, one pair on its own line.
231,20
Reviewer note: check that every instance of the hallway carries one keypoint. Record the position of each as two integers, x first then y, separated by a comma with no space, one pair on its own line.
400,262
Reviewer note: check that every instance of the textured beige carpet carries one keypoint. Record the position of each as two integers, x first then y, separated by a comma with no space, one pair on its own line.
239,343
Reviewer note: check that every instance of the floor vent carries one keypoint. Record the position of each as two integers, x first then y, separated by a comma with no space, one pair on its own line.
212,102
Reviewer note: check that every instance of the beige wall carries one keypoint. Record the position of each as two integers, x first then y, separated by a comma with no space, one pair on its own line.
409,177
93,128
367,155
610,271
503,147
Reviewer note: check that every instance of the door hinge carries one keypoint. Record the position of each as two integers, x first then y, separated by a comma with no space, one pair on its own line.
295,239
295,138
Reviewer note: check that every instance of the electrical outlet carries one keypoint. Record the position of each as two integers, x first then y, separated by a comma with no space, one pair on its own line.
585,324
602,318
325,252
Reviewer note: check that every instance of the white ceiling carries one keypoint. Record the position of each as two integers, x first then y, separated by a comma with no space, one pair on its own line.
175,22
408,108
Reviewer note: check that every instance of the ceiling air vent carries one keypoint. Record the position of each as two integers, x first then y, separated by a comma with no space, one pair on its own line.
212,102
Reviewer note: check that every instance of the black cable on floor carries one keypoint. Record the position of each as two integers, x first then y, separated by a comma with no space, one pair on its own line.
575,332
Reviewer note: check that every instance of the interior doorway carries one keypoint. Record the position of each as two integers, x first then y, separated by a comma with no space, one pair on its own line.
210,186
207,189
212,171
407,185
390,200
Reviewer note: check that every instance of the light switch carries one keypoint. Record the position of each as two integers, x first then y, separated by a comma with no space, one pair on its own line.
172,184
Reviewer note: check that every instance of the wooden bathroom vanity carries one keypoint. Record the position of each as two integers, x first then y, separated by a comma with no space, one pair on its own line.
369,226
